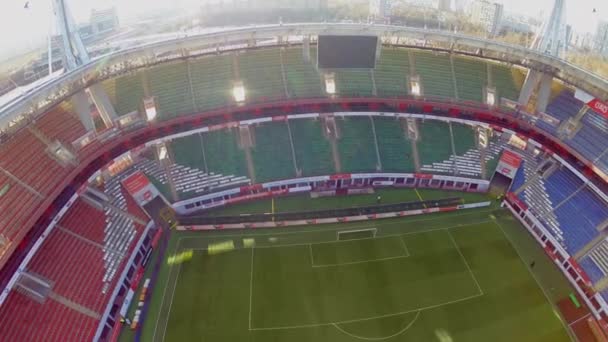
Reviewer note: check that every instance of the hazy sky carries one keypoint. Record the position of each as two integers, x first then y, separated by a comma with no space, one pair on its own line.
23,27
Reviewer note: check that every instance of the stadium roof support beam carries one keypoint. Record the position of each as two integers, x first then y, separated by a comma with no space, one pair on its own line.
552,42
75,55
115,64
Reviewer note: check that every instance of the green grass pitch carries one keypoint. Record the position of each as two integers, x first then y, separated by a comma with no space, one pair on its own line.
442,277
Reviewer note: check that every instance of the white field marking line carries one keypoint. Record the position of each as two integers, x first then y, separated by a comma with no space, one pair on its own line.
580,319
326,242
179,269
373,317
309,231
251,287
369,229
570,332
407,252
379,338
360,261
164,296
312,259
465,262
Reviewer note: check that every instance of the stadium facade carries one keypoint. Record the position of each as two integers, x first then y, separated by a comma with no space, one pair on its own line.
439,110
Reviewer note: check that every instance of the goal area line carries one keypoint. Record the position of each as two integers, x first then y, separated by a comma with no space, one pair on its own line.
405,254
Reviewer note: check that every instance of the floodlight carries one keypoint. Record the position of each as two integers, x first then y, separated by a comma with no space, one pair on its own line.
238,92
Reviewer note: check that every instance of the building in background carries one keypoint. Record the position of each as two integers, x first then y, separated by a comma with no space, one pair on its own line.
444,5
487,14
104,21
601,38
380,8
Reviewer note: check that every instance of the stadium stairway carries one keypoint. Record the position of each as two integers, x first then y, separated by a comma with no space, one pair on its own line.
272,153
189,182
530,188
312,149
394,148
432,69
169,83
210,79
391,73
503,81
261,73
302,78
356,144
471,78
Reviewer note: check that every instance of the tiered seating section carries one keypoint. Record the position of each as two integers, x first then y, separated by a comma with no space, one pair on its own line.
391,73
24,319
29,176
591,140
170,84
223,154
281,73
211,82
356,144
503,81
435,147
563,203
471,78
435,72
189,182
61,123
313,152
272,154
261,73
302,78
354,83
80,259
394,148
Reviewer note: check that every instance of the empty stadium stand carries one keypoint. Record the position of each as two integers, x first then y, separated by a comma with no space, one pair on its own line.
435,73
272,153
170,84
391,73
471,78
395,149
302,78
223,154
261,74
356,144
313,152
210,78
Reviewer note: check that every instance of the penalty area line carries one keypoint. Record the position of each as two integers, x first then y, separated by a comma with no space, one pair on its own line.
312,325
251,287
465,262
337,326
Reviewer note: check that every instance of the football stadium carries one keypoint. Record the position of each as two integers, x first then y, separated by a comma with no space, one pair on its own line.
311,181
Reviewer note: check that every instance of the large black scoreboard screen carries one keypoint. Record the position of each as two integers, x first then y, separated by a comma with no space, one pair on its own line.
354,52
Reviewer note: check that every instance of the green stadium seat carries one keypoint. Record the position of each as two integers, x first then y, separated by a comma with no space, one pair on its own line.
212,81
471,78
355,83
435,74
356,144
434,146
395,149
392,70
313,151
129,93
170,84
504,82
223,154
188,151
261,74
303,79
272,155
